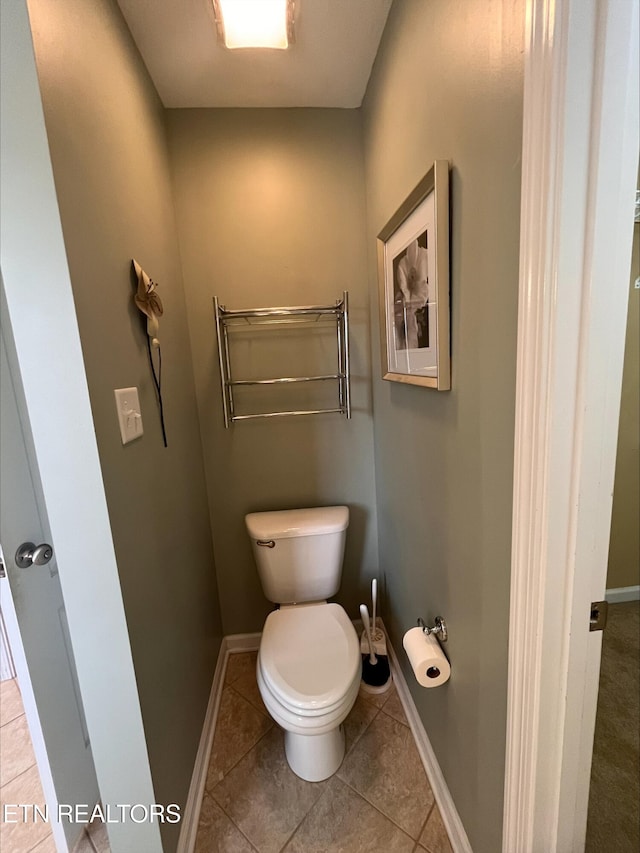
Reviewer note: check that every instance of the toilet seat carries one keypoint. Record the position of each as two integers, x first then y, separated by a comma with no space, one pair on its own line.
304,724
310,658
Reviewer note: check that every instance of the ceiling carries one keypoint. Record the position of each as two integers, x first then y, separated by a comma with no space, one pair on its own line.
328,66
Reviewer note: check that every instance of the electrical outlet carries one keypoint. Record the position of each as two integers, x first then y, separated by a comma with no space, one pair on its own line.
129,417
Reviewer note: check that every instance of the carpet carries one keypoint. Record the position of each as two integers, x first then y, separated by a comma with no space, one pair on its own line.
613,825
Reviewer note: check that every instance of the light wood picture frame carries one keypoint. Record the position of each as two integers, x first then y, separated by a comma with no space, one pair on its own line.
413,280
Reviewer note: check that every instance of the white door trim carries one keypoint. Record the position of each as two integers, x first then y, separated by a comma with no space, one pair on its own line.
580,150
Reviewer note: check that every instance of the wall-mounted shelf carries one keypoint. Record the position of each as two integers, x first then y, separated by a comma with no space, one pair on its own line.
273,317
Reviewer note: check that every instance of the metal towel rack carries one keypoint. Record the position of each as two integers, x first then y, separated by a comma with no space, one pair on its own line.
225,318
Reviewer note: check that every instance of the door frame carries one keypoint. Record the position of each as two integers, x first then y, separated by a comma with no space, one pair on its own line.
580,160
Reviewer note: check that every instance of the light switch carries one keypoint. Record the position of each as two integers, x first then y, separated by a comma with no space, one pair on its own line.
129,417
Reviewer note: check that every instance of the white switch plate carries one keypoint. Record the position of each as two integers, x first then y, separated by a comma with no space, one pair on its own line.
129,417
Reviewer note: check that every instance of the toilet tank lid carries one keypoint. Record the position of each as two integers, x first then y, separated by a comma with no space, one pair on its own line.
288,523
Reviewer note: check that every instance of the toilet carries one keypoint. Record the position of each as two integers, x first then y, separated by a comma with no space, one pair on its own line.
309,664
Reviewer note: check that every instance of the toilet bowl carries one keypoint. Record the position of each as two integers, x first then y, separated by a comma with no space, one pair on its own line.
308,668
308,674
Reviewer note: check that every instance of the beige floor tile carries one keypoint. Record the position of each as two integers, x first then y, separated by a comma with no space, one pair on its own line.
16,752
83,844
393,707
22,835
378,699
434,837
241,672
48,845
264,797
378,801
216,833
360,716
385,768
243,663
10,701
99,836
238,728
247,686
342,822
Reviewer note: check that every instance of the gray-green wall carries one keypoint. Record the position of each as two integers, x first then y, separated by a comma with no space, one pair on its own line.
106,132
271,211
447,84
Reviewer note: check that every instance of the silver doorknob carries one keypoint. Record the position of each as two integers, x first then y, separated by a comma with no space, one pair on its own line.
29,554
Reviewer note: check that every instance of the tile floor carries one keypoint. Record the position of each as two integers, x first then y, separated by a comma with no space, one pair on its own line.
379,800
20,783
19,778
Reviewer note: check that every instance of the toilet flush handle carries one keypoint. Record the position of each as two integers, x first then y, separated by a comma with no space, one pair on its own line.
266,543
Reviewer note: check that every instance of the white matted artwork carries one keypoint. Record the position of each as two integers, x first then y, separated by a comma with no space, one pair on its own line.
413,269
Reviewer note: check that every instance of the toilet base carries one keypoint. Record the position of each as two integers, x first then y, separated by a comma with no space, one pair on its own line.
315,757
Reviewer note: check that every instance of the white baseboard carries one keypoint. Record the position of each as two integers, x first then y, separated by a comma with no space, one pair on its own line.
450,817
243,642
237,643
232,644
191,814
622,593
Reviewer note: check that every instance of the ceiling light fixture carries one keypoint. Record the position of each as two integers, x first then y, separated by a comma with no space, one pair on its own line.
255,23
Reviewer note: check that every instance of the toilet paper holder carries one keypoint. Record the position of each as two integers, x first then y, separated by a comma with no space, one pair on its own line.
439,629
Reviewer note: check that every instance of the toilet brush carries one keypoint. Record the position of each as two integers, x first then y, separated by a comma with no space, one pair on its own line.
376,675
377,634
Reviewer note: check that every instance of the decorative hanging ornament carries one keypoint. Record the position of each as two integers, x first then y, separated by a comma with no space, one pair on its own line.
148,301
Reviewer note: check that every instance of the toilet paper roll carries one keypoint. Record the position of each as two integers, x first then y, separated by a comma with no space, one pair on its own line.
430,666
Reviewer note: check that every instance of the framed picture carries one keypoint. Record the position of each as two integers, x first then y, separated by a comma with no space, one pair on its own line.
413,275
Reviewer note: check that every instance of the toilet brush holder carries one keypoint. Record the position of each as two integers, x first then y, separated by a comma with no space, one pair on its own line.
376,678
376,675
379,642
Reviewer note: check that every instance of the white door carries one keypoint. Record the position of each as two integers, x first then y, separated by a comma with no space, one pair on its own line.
39,609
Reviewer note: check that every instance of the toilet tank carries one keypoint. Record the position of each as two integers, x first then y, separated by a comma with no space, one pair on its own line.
299,552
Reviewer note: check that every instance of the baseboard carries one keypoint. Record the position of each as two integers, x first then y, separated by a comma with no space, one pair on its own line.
622,593
243,642
232,644
450,817
191,814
